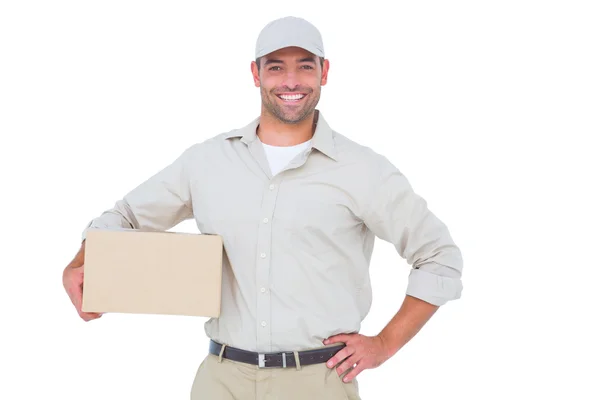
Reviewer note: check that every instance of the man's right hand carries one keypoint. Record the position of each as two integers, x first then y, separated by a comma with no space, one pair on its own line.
73,283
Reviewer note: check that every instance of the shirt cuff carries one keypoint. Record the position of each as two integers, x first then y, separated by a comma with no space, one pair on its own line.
432,288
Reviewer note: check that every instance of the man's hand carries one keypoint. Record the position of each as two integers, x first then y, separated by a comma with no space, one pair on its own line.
363,351
73,284
371,351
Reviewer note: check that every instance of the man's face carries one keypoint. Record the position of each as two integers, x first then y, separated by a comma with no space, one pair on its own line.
290,83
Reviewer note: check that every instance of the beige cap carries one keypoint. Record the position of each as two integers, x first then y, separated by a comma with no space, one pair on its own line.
287,32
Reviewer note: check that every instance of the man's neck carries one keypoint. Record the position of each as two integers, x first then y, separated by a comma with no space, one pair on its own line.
273,132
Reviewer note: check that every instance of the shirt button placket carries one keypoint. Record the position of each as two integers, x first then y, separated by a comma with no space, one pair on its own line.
264,251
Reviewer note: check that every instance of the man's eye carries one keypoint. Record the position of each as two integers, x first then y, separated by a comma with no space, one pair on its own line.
274,68
307,67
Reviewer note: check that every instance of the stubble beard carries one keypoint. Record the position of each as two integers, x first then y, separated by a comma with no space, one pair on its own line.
269,101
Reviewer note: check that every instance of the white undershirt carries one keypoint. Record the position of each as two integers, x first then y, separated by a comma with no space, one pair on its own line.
280,156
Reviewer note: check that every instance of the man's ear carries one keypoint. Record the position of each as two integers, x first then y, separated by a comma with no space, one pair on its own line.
325,72
255,73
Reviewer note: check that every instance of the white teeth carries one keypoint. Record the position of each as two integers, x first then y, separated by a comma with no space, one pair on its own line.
291,97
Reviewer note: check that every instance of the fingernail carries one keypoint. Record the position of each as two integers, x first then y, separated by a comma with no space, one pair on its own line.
329,364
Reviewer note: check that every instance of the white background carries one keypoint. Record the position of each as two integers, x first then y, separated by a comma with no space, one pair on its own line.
491,109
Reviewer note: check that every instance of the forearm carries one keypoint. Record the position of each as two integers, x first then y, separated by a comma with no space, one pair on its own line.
157,204
79,258
120,216
407,322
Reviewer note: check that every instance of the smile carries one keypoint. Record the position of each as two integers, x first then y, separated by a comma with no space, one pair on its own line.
291,97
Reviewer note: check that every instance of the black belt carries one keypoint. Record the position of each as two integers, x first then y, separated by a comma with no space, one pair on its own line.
275,360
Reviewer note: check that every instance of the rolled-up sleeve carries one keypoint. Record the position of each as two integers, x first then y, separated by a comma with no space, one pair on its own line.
158,204
398,215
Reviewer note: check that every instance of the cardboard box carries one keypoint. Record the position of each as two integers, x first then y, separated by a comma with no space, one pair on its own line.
132,271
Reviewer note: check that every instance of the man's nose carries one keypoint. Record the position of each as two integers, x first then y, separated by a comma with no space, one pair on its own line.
291,80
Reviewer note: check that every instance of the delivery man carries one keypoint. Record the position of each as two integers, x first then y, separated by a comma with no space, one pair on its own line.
298,205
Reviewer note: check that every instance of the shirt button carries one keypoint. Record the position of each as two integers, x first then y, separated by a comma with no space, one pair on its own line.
265,220
263,255
262,290
271,186
263,323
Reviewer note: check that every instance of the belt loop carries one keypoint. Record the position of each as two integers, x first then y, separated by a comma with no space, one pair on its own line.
221,352
297,358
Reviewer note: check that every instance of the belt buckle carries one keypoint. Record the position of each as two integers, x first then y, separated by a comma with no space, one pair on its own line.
261,361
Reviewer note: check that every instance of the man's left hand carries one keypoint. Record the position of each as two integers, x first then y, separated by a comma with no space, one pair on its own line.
361,352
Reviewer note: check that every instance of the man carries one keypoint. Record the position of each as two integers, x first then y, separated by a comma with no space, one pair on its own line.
298,206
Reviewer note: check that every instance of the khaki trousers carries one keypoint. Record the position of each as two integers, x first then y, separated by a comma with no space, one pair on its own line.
231,380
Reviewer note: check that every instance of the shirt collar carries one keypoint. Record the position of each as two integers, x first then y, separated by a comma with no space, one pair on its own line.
322,139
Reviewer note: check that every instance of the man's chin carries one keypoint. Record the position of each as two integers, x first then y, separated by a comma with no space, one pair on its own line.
293,119
288,116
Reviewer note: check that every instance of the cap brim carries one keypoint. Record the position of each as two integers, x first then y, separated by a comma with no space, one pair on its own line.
311,49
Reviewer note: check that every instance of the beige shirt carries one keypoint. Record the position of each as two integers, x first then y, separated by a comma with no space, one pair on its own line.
298,244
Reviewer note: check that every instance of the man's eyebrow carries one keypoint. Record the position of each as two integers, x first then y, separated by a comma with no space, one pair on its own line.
302,60
273,61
